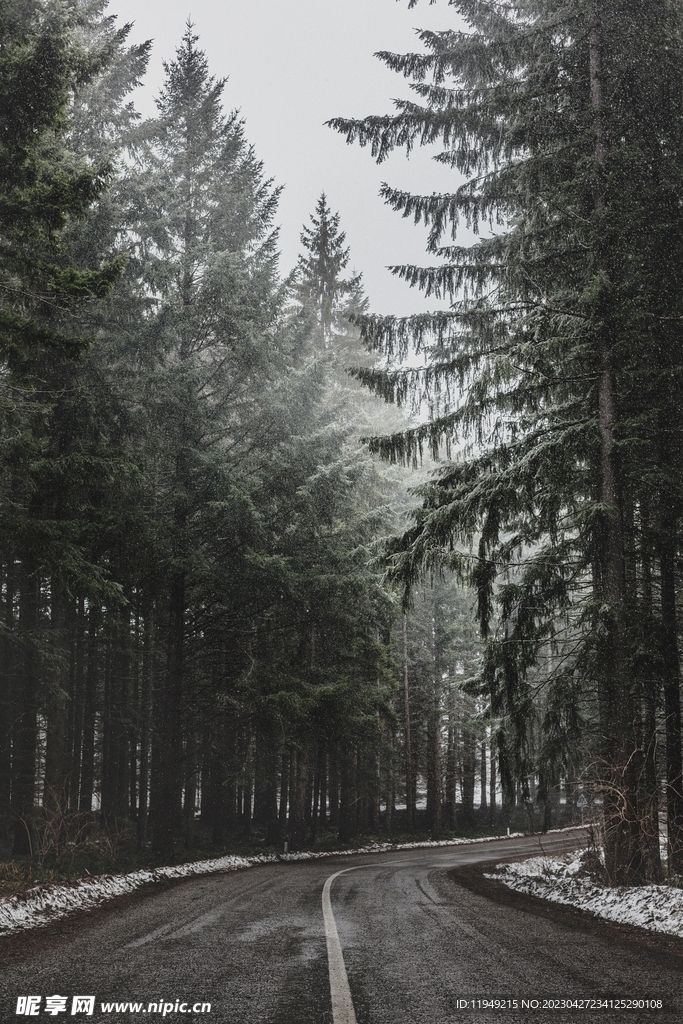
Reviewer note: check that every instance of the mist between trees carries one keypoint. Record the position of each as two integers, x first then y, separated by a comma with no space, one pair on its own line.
227,617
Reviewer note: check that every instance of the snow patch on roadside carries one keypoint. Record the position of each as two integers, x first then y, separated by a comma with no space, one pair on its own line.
46,903
656,907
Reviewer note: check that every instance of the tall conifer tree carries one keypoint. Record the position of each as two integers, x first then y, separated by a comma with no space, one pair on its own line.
45,189
320,269
539,370
208,260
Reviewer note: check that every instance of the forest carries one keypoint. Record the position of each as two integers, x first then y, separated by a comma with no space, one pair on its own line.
278,570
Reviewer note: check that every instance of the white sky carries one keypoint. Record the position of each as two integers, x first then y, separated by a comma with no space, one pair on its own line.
292,65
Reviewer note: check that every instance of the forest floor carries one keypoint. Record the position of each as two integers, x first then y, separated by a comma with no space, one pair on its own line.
116,852
50,900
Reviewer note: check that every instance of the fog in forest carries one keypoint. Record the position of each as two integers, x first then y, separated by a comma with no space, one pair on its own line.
298,553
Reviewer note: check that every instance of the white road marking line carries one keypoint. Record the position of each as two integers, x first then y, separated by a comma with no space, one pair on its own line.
342,1003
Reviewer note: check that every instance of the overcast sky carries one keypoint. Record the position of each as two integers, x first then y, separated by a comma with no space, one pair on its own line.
292,65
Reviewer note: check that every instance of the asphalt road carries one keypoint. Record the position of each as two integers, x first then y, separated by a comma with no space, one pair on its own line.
414,942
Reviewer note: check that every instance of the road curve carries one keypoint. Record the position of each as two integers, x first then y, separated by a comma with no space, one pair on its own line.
416,946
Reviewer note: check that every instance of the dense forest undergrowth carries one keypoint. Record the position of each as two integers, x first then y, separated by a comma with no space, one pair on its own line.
274,569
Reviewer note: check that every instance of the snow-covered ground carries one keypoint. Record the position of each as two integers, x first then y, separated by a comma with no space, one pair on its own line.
45,903
560,879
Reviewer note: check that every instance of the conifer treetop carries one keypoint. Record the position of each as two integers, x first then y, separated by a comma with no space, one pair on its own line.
319,269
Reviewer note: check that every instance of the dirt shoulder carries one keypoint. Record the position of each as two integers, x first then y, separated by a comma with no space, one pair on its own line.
471,876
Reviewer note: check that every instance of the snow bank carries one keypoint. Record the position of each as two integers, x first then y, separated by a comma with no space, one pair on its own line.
46,903
657,907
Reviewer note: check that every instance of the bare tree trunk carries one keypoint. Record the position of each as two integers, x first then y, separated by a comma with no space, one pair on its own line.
284,791
89,704
469,768
492,780
248,793
322,767
451,774
650,695
7,699
347,802
134,719
54,791
299,784
410,773
334,785
219,791
672,702
308,792
167,810
269,793
318,787
146,690
434,767
190,785
76,712
24,773
390,790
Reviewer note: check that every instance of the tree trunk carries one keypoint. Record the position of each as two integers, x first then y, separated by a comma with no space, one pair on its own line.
672,702
347,801
315,811
322,810
24,768
410,774
375,798
218,782
452,761
334,786
89,704
650,695
270,797
146,689
492,780
298,799
434,767
190,784
167,810
76,722
390,790
469,769
7,700
54,789
623,860
284,792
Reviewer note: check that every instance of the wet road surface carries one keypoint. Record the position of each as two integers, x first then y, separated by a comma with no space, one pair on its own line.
416,946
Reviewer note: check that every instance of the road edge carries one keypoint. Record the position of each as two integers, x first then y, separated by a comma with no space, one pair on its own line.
472,877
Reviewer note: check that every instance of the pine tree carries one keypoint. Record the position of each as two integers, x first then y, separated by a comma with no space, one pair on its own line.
538,373
319,271
189,516
208,261
47,290
41,65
